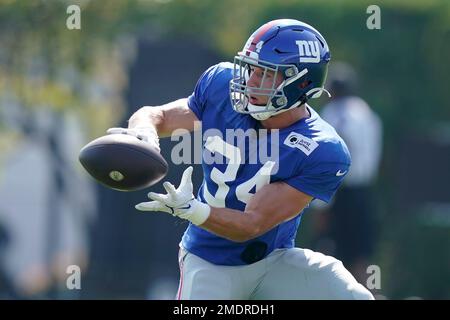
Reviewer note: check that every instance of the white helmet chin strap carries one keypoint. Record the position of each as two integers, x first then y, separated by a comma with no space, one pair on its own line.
267,114
316,93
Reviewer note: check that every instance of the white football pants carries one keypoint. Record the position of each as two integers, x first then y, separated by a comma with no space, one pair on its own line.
285,274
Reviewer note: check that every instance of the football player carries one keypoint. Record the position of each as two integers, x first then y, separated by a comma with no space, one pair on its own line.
243,223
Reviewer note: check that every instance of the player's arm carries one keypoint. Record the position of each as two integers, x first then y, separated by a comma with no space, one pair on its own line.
271,205
151,123
166,118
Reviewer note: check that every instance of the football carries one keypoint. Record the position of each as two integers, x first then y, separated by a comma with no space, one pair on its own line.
123,162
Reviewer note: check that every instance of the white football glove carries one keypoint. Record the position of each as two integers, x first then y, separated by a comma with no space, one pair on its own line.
147,134
178,202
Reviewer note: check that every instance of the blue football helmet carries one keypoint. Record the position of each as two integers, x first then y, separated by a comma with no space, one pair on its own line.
288,47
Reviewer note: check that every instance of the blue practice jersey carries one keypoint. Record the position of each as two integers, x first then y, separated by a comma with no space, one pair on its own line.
308,155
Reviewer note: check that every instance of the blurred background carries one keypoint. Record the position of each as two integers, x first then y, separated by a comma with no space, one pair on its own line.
60,88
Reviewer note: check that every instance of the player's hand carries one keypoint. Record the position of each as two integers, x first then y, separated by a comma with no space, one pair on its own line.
178,202
147,134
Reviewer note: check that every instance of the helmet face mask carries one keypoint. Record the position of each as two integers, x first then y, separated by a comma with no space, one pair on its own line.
289,50
240,91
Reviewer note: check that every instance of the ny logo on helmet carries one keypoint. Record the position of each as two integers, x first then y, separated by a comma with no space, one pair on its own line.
309,51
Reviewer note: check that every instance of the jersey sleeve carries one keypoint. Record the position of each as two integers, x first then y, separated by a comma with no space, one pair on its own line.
320,180
197,100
